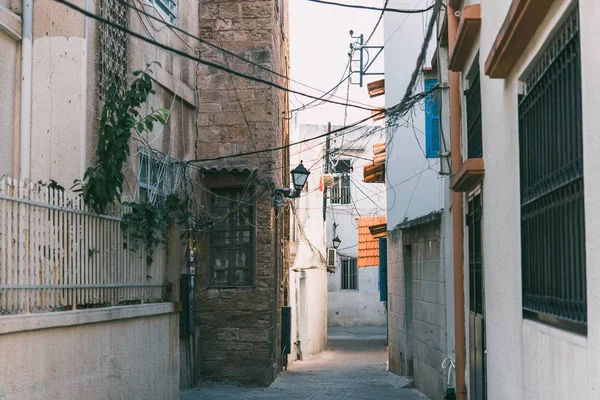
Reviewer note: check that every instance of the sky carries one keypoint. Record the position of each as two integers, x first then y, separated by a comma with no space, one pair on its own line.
319,46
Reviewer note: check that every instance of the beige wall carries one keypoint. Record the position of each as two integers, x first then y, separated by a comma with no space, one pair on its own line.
65,98
132,358
10,66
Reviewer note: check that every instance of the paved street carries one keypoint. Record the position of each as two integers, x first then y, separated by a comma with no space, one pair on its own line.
352,367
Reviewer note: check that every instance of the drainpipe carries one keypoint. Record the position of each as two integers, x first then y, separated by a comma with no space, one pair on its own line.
26,74
457,216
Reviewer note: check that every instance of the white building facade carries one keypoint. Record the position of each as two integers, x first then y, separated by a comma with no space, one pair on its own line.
532,278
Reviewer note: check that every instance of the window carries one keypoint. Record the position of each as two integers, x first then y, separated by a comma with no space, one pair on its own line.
473,100
349,274
156,177
432,122
168,8
113,47
232,239
340,189
475,257
551,177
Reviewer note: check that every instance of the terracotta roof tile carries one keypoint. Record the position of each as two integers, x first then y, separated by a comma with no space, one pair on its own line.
368,246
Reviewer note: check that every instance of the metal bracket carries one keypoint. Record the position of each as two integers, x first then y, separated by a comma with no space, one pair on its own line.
364,69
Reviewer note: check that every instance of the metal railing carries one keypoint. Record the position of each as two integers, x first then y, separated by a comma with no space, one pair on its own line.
552,186
340,191
55,255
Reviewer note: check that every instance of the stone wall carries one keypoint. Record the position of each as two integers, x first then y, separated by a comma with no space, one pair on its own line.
239,328
417,303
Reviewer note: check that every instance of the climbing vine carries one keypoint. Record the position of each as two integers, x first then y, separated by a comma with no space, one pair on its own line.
102,183
149,223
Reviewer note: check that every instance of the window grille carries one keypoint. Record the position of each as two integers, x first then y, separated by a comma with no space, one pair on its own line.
349,274
340,191
157,178
113,47
232,239
168,8
473,100
552,186
475,255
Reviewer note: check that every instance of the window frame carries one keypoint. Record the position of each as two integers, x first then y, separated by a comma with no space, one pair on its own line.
553,277
351,263
341,177
252,244
161,188
165,9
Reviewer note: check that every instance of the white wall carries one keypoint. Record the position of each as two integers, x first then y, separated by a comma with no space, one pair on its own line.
308,278
404,35
355,307
527,360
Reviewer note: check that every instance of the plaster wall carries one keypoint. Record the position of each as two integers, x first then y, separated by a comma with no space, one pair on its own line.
359,307
308,278
540,362
134,358
407,169
10,68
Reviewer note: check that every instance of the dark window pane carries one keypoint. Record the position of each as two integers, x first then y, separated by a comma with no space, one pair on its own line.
552,186
232,237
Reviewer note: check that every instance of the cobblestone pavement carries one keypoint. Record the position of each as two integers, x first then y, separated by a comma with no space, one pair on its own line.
352,367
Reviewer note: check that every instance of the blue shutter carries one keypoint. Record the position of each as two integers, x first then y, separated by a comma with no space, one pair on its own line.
383,285
432,122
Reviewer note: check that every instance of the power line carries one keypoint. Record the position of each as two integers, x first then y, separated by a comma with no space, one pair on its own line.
220,47
291,144
197,59
394,10
378,22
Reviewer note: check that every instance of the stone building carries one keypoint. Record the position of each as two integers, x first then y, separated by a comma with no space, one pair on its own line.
241,282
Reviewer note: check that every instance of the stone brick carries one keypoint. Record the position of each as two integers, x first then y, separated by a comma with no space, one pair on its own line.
230,370
228,334
210,369
213,355
230,10
262,9
223,24
254,335
229,119
252,24
248,354
208,11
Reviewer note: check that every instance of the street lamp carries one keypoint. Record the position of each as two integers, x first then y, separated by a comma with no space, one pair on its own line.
299,178
336,242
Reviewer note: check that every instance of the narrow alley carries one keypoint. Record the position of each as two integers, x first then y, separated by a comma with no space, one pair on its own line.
352,367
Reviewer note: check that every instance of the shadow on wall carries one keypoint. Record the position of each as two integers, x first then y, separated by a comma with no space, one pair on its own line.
355,307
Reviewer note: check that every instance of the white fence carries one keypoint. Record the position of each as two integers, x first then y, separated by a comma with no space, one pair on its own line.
55,255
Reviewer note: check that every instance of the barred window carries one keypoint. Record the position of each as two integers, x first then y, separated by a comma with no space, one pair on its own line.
551,172
232,239
168,8
157,177
340,190
113,47
349,274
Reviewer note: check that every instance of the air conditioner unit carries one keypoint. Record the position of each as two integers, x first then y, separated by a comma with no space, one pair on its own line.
331,252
